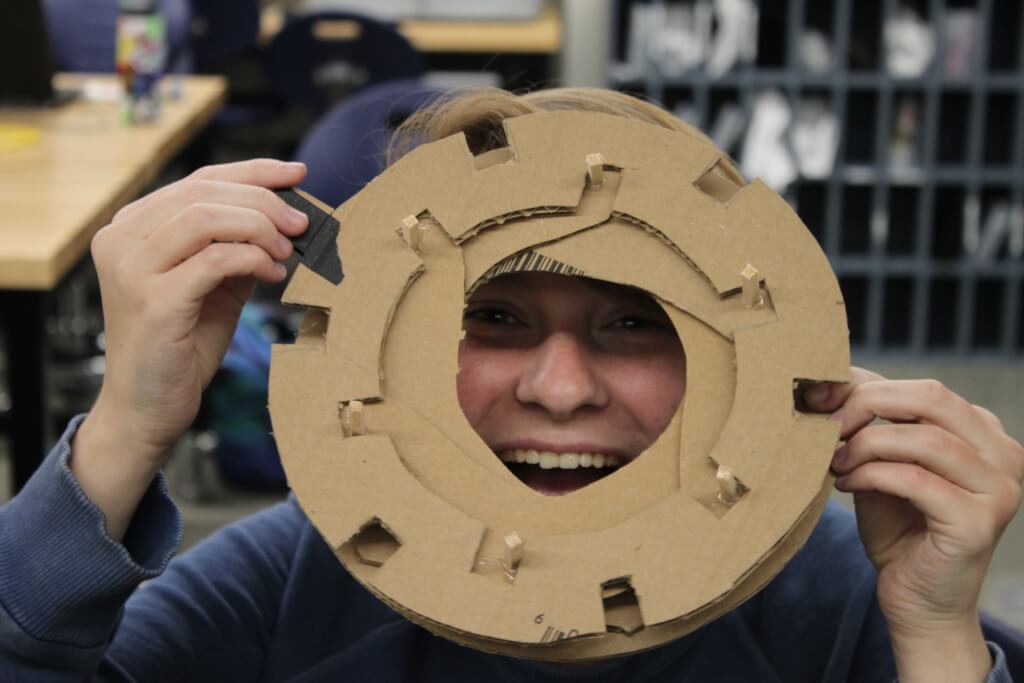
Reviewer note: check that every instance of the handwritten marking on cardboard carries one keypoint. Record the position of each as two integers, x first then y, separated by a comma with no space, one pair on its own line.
552,634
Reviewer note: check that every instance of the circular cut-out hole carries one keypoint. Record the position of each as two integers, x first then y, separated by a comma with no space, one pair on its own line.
567,379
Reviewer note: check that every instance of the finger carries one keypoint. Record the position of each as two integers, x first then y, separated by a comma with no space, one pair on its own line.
826,397
266,173
163,205
200,225
989,416
937,498
204,272
913,401
261,172
934,449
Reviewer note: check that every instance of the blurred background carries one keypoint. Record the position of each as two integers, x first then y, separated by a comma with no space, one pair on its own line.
895,128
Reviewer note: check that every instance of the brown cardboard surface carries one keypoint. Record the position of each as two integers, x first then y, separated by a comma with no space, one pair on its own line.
416,505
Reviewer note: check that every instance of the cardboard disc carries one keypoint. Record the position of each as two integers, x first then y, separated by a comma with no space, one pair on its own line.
414,503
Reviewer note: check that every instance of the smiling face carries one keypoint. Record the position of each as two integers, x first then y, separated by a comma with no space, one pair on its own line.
567,378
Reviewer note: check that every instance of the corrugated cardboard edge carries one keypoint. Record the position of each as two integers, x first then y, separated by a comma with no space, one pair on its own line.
435,576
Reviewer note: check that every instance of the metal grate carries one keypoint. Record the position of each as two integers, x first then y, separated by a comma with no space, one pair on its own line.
927,252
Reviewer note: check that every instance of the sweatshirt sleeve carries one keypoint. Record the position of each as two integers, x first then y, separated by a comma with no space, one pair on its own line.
213,615
76,605
999,673
63,579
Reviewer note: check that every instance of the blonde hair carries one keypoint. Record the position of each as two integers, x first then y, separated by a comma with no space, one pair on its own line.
480,113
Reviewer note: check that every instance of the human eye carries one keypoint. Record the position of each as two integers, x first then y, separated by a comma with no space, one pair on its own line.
495,325
640,324
636,331
491,315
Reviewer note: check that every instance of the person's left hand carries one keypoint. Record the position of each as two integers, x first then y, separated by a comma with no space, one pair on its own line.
934,488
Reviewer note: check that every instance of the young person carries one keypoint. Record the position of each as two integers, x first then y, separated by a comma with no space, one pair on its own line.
549,363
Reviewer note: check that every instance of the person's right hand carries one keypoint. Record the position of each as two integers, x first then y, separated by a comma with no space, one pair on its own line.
175,268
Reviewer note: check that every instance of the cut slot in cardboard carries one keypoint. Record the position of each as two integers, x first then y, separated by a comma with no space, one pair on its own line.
415,504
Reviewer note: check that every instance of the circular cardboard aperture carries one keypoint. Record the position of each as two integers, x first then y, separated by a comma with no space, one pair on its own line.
639,301
420,510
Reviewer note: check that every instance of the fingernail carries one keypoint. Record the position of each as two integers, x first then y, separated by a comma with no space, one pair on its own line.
838,415
839,457
296,218
284,245
294,165
280,270
817,394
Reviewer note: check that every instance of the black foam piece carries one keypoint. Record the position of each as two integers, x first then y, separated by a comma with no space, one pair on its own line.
319,244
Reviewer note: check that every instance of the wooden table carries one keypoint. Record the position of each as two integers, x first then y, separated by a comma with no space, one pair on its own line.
55,194
541,35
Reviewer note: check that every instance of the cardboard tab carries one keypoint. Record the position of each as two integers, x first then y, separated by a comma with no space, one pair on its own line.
352,423
751,286
513,556
595,170
730,489
412,233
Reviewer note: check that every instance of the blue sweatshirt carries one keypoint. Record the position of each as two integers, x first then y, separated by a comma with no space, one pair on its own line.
266,600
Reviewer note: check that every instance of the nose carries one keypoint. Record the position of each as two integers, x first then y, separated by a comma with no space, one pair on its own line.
561,378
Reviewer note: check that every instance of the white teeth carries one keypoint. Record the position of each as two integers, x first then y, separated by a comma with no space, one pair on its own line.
548,460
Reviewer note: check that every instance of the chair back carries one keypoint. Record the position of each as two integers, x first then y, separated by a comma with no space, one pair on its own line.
221,30
346,148
318,59
83,33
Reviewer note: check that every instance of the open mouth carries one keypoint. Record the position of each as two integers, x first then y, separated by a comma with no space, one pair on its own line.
556,474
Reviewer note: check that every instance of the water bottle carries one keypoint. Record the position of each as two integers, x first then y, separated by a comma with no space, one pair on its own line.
141,58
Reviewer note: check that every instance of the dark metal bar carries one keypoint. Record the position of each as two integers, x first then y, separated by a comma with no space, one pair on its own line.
927,196
702,98
879,221
654,84
909,266
794,31
780,78
834,191
975,138
702,94
1013,323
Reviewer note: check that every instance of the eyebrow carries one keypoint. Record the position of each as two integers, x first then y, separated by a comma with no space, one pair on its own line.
634,295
